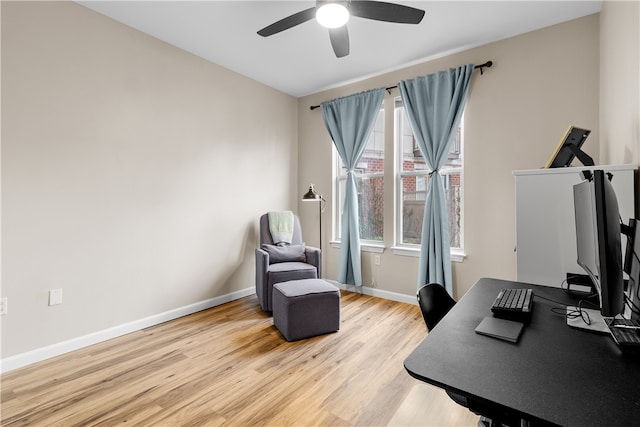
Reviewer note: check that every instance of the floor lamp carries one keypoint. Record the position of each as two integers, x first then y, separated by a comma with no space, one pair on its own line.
313,196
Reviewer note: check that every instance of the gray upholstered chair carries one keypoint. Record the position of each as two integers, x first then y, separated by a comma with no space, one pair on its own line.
281,264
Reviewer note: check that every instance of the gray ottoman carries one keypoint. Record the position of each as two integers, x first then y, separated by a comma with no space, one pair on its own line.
305,308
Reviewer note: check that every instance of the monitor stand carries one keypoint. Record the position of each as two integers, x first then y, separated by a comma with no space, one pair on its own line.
597,321
584,158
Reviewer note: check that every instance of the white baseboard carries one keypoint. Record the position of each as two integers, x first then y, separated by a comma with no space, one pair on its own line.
380,293
19,360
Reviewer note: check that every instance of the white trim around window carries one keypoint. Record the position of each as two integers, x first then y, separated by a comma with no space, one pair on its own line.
457,255
374,247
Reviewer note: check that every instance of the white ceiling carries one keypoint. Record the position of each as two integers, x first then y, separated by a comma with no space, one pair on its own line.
300,61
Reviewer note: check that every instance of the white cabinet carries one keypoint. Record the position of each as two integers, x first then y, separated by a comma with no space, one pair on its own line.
545,225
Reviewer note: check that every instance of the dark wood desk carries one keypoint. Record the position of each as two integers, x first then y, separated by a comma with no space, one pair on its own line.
554,374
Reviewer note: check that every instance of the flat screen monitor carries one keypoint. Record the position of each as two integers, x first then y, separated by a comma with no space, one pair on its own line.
586,240
632,266
598,240
570,146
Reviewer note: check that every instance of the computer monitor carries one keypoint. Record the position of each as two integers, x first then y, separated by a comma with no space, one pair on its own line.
632,266
570,146
598,239
586,241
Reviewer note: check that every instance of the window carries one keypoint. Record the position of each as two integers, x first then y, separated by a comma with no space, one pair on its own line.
370,184
413,176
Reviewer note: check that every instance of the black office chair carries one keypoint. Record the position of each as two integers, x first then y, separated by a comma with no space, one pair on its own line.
435,302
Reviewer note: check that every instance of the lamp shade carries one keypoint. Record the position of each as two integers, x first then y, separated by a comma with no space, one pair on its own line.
311,195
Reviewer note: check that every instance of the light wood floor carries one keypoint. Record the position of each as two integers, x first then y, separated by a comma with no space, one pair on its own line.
229,366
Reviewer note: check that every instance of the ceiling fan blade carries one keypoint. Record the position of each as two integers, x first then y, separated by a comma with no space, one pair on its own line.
288,22
388,12
340,41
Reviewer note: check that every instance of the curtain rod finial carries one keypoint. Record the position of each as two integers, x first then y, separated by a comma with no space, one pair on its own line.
487,64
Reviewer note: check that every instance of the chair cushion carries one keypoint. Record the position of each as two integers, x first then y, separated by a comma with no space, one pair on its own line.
296,288
285,271
290,253
289,266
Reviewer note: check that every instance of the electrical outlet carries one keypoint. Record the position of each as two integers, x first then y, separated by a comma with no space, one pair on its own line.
4,307
376,260
55,297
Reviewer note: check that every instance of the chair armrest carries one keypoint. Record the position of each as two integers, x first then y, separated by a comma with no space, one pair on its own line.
262,260
263,292
314,257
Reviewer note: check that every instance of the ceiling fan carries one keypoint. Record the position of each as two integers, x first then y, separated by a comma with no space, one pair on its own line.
334,15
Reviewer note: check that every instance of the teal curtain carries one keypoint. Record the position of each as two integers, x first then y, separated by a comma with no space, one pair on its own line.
349,121
434,105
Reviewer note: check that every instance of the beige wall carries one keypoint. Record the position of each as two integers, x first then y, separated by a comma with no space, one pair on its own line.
541,82
118,184
620,81
133,174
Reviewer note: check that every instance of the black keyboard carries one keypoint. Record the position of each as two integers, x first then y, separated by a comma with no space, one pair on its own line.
626,333
513,304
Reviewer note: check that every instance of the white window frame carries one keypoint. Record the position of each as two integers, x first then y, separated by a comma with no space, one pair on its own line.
339,198
340,178
408,249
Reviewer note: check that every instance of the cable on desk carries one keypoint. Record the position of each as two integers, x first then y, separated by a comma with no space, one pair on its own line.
550,300
579,312
573,313
553,309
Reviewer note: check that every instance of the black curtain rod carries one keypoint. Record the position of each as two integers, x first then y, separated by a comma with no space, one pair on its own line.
481,67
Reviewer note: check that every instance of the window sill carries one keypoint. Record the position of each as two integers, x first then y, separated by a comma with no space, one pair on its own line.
457,255
377,248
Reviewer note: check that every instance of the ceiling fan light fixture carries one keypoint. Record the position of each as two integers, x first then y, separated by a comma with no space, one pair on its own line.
332,15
